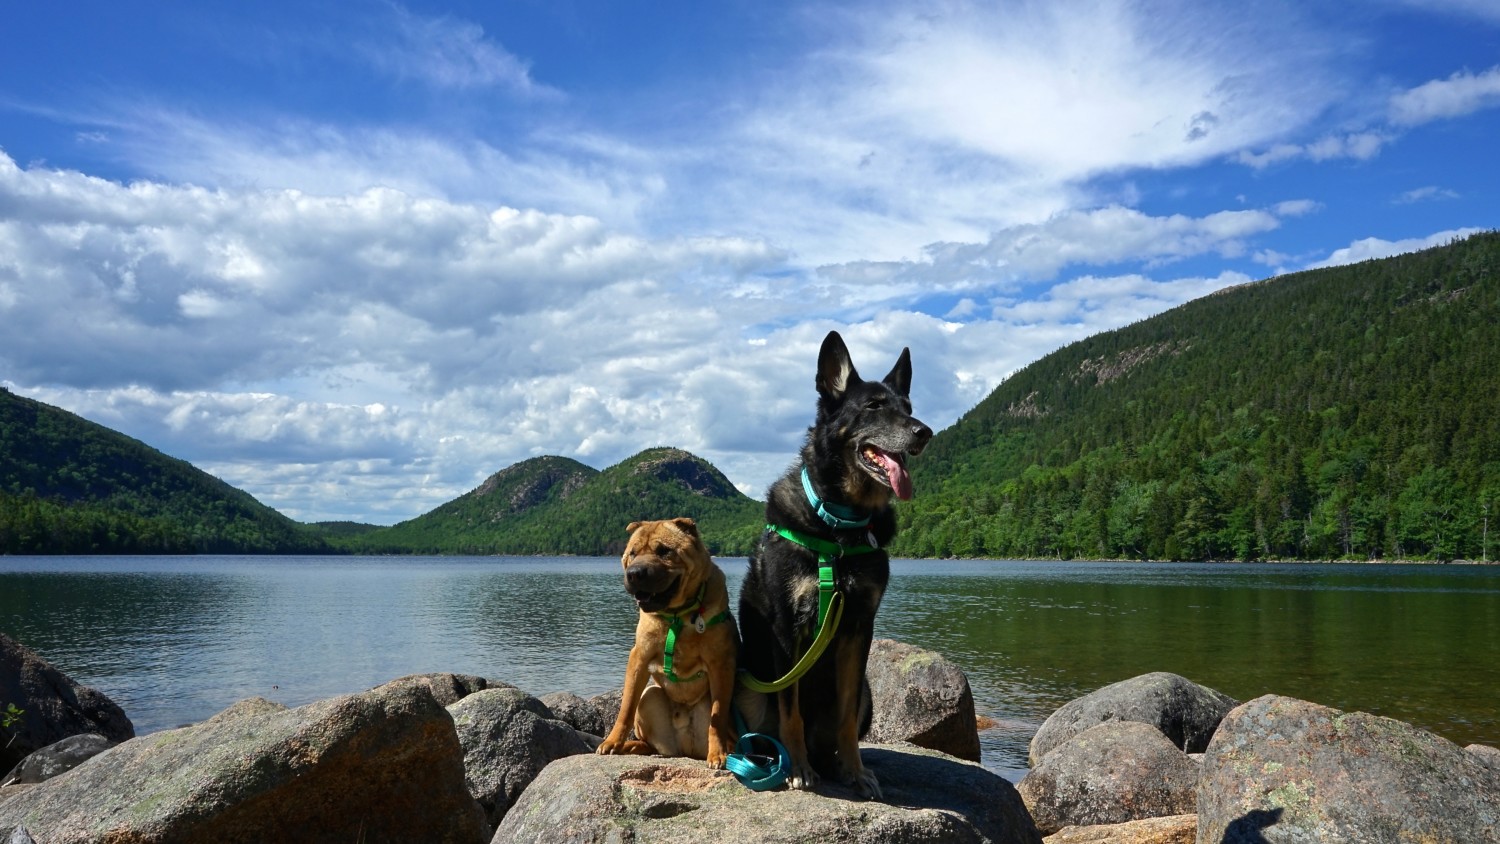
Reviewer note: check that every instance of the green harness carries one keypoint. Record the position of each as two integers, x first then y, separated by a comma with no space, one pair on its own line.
675,616
830,604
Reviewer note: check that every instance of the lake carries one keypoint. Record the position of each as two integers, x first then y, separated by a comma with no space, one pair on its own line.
174,640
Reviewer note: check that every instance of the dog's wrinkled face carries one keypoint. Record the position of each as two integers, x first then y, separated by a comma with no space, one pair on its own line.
871,421
664,563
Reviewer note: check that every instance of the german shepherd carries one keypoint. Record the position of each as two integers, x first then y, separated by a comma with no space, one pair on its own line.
852,464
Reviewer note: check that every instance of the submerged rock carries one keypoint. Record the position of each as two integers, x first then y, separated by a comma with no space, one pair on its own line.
383,765
920,697
1285,770
1185,712
928,797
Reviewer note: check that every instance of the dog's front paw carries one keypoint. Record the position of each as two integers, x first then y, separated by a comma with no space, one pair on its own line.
866,784
616,743
803,777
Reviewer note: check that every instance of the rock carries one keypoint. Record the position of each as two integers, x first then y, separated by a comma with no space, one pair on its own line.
58,757
1184,711
1285,770
383,765
1488,755
1111,773
1173,829
929,797
582,715
55,706
246,708
922,698
607,705
508,737
449,689
15,788
19,835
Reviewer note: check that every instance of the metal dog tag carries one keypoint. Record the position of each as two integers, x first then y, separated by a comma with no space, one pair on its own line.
698,623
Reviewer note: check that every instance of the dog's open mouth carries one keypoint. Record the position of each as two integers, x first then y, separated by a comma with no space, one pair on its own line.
887,468
656,601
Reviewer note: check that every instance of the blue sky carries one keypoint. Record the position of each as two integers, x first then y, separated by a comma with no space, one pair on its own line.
355,257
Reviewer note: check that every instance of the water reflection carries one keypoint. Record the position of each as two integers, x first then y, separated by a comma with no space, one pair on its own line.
174,640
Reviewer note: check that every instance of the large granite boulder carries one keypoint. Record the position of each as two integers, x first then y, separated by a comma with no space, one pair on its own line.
383,765
58,758
929,797
1285,770
1111,773
1173,829
55,706
922,698
1184,711
508,737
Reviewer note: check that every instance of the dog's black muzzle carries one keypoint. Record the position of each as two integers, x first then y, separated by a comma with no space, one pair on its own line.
651,583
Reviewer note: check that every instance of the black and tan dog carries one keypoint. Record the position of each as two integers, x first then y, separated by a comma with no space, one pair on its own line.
679,684
833,504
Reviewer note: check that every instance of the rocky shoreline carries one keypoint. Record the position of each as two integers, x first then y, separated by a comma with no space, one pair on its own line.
458,758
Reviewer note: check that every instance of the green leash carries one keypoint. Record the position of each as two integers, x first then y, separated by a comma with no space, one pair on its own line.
830,605
676,615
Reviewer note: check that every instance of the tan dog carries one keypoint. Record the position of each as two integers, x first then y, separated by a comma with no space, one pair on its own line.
685,708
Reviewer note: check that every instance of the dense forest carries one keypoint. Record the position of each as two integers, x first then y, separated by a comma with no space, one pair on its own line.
70,486
1342,413
553,505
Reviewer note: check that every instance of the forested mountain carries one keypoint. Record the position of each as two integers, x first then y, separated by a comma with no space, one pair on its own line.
70,486
553,505
1350,412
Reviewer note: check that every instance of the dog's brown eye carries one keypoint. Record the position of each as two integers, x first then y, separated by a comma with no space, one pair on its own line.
663,550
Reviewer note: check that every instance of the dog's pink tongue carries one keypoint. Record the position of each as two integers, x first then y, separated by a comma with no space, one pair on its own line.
896,474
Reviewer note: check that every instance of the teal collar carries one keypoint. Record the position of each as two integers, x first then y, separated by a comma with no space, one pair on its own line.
836,516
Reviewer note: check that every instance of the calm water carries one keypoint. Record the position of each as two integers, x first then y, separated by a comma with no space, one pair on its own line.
174,640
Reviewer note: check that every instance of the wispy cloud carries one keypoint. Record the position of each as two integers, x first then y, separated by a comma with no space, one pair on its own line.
1460,94
446,52
1371,248
1428,193
1359,146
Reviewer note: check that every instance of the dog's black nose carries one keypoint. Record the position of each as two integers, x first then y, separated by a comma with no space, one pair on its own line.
920,434
647,577
637,577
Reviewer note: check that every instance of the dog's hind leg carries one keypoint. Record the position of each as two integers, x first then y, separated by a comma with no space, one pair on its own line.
636,679
794,738
654,722
852,656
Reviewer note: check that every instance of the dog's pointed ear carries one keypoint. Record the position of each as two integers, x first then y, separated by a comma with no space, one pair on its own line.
687,526
900,377
835,370
630,528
